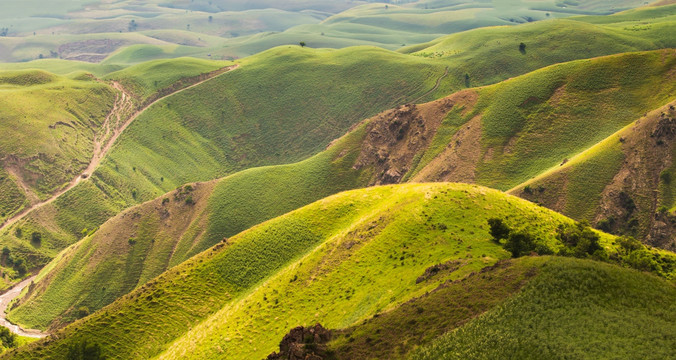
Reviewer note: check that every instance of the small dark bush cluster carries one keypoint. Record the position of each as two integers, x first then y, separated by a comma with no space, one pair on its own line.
7,338
85,350
579,240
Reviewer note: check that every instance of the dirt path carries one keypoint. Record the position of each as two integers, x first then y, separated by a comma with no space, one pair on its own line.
5,299
103,145
436,86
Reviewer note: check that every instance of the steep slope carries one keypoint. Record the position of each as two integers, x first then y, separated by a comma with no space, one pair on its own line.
54,122
142,242
431,141
623,184
572,309
338,261
576,303
332,261
192,137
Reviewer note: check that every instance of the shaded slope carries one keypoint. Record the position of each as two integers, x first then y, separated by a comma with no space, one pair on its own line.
344,251
430,138
623,184
572,308
192,137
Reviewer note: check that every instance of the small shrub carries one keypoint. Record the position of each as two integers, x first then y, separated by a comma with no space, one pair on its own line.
36,238
519,244
189,200
527,190
498,229
82,311
132,241
7,338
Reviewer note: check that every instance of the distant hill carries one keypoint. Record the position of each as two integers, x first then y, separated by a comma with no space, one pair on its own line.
460,138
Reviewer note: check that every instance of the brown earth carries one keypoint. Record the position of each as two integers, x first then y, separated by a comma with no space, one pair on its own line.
394,137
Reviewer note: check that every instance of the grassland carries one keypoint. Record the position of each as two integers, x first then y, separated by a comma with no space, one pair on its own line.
124,33
343,251
53,121
572,309
168,232
338,261
622,184
233,129
148,78
522,117
252,196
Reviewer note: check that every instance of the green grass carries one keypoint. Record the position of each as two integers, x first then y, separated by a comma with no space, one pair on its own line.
192,137
337,261
53,120
167,32
572,309
394,334
311,243
225,208
522,117
146,79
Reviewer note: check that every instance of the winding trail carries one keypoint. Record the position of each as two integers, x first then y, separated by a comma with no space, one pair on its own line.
123,104
113,128
5,299
436,86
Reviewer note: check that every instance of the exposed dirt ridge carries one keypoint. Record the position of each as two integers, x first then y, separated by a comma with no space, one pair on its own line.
394,137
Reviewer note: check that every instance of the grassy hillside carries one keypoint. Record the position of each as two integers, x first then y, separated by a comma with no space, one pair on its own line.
259,128
170,229
148,78
343,251
338,261
622,184
191,137
483,56
571,309
410,143
54,122
124,32
521,118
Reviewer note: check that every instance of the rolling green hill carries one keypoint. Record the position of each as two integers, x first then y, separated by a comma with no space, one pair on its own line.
50,125
233,128
215,157
126,32
622,184
445,140
331,262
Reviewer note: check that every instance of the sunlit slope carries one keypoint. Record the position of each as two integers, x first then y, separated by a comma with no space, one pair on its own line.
49,126
623,184
446,140
333,261
278,107
483,56
142,242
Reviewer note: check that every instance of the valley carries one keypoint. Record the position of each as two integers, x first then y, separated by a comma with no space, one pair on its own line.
335,180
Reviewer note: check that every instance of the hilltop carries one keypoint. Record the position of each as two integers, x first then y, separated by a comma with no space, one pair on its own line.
330,262
443,140
126,32
118,185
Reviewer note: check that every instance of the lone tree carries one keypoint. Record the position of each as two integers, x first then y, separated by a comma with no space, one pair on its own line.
302,44
522,48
